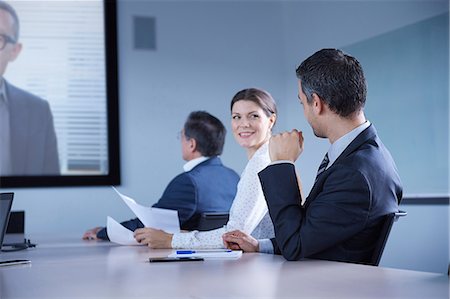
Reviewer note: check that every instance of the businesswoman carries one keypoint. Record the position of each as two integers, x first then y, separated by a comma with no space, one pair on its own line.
253,114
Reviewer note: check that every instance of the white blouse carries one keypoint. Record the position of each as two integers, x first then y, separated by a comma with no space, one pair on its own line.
248,212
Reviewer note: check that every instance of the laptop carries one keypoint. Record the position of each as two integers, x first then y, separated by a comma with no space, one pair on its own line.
5,209
15,231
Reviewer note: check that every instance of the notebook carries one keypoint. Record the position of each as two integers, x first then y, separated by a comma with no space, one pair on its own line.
5,209
208,254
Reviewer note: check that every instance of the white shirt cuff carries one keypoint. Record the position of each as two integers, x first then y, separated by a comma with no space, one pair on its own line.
281,162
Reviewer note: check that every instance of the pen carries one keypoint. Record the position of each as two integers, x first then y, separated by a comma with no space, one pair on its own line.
202,251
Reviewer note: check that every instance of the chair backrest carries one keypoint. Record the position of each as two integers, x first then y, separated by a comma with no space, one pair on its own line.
212,220
384,234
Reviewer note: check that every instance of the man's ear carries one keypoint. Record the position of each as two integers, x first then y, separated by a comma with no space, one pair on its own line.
192,145
318,104
17,48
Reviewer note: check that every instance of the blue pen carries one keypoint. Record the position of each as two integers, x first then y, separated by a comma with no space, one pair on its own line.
201,251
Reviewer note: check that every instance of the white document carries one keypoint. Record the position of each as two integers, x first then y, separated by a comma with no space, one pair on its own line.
163,219
209,254
119,234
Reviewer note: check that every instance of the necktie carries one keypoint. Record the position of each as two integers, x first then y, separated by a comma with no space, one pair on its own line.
323,165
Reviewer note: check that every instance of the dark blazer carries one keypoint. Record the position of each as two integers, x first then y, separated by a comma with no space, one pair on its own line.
342,215
208,187
34,148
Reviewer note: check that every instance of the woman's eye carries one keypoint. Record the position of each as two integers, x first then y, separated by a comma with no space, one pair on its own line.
255,116
236,117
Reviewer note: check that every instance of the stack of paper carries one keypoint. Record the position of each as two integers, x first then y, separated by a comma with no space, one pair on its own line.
166,220
209,254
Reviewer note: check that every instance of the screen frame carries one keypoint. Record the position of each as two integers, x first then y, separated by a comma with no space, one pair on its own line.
112,100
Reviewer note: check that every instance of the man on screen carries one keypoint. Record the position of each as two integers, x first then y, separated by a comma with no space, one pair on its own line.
28,144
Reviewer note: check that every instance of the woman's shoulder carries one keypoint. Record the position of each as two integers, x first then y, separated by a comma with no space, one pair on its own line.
260,159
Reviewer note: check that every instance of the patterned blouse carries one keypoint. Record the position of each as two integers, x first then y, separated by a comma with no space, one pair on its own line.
248,212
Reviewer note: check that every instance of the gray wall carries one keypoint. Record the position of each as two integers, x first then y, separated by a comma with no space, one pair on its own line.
205,52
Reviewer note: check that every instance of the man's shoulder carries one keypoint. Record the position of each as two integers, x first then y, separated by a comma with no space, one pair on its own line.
212,166
22,97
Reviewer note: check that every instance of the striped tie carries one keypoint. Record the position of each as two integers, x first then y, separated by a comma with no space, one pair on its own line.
323,166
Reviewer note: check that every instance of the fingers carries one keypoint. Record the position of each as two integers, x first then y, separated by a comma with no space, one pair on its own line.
142,231
234,233
231,242
141,234
286,146
233,239
86,236
90,234
232,246
153,238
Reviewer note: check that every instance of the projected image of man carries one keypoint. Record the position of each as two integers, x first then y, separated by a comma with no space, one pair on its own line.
28,144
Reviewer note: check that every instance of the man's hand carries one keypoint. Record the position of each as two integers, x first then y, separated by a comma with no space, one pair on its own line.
92,233
153,238
286,146
238,240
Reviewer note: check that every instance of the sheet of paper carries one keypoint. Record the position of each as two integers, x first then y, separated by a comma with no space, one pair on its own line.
119,234
164,219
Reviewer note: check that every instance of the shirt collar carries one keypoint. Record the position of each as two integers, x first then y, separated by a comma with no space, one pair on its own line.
194,162
341,144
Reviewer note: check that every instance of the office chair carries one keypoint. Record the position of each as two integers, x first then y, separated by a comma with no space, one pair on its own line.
212,220
384,234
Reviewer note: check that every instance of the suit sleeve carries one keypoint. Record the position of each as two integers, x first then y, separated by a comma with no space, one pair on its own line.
131,224
180,195
339,211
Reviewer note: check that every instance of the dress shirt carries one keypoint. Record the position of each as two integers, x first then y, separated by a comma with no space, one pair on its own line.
335,150
248,213
194,162
5,141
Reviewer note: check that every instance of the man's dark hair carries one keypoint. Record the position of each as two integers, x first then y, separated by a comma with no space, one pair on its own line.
207,130
8,8
337,78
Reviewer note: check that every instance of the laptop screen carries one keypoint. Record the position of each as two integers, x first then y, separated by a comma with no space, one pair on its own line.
5,208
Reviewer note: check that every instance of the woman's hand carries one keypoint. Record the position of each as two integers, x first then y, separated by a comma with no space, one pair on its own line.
153,238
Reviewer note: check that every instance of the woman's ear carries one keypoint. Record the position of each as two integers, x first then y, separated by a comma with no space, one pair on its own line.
272,120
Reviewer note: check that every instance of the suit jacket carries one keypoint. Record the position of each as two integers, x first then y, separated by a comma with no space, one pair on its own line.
342,215
34,148
208,187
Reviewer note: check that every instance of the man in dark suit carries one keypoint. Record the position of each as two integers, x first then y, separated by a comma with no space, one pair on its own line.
205,186
27,136
357,182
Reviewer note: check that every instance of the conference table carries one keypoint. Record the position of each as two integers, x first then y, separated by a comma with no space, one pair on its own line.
69,267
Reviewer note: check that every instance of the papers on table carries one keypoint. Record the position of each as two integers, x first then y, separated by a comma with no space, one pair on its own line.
209,254
166,220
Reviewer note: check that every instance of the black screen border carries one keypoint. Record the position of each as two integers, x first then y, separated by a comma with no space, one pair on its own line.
112,99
